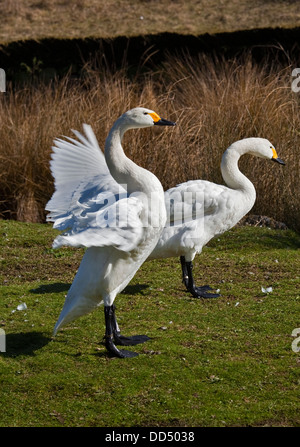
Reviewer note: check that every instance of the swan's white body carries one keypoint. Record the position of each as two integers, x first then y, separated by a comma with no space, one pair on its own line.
103,204
199,210
210,209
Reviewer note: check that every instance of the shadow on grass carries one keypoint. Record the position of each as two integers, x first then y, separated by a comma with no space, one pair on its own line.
24,343
137,289
57,287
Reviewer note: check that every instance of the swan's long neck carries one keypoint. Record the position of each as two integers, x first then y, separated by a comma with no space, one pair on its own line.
233,176
124,170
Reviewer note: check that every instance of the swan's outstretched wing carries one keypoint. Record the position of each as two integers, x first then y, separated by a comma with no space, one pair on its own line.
88,203
80,172
116,224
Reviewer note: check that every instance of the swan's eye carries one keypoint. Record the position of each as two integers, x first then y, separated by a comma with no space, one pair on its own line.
145,113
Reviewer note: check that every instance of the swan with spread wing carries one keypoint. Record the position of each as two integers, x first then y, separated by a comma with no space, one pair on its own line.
115,209
197,210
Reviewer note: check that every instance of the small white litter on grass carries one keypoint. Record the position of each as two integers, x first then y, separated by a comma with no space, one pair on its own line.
22,306
267,289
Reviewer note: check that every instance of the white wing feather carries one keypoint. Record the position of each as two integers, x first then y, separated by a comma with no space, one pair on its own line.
118,225
74,166
88,203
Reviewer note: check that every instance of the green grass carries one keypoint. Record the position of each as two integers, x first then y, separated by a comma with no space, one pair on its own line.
220,362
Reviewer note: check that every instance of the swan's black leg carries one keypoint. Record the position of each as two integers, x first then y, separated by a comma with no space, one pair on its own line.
110,324
188,280
113,335
126,341
185,276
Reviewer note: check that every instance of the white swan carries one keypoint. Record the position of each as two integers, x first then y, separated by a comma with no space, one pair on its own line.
120,227
199,210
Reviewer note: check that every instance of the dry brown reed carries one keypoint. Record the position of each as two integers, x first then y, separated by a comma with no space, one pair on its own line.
225,101
215,102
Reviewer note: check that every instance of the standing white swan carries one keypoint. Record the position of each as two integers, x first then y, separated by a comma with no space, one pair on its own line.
119,227
198,210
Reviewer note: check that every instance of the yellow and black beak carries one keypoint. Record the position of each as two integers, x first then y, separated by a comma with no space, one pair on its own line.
158,121
276,158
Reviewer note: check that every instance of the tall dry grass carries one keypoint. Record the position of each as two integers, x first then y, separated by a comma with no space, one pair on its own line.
226,101
214,102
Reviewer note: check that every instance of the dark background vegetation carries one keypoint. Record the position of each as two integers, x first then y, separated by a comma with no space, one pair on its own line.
219,88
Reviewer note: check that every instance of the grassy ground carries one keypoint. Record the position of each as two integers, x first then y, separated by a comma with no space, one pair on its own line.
36,19
221,362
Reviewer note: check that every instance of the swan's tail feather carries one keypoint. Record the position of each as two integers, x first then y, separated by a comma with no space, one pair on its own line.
72,310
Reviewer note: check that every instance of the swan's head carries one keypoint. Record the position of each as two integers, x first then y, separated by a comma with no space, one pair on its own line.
141,117
260,147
